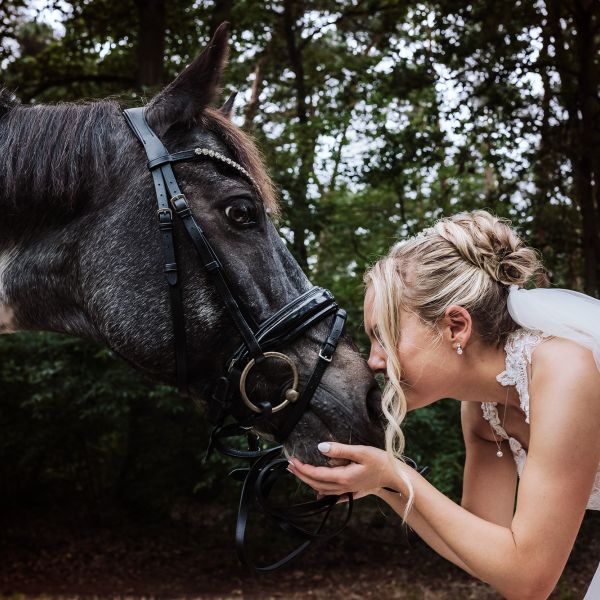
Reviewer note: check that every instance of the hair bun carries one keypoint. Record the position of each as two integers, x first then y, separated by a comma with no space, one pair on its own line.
491,244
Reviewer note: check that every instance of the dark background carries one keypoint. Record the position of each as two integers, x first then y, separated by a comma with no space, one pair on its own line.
375,118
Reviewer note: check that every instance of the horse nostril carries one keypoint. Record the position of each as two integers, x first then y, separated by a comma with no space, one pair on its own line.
373,402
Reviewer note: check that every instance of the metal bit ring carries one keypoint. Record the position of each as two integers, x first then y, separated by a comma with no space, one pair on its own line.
291,395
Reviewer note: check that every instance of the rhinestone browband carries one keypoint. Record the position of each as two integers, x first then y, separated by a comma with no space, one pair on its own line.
224,159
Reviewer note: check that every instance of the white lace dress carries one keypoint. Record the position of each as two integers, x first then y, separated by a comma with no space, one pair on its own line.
518,348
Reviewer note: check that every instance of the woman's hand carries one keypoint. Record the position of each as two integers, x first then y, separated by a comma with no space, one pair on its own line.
368,471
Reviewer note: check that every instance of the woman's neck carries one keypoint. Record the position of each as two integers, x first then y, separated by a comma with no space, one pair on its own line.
477,380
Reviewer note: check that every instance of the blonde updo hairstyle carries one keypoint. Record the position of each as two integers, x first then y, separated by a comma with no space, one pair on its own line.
469,259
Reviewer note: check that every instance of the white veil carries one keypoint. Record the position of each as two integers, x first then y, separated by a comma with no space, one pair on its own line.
563,313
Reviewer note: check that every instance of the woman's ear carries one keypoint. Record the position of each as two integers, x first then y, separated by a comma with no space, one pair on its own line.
458,326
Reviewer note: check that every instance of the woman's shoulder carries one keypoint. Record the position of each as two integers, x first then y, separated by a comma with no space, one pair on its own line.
559,358
564,370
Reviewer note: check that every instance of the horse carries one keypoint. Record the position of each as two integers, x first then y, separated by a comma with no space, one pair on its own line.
80,250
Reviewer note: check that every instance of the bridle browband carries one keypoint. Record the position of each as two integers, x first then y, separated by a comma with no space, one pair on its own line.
258,344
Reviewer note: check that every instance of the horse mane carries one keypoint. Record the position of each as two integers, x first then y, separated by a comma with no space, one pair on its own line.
53,152
56,151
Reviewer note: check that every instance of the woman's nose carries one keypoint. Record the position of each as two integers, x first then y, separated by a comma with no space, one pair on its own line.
376,362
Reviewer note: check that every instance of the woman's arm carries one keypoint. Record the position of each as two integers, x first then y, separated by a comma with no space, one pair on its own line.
523,560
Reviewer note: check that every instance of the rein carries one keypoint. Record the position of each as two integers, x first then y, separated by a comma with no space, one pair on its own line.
266,467
258,344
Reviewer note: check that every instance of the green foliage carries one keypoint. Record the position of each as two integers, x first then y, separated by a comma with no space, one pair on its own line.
434,439
76,421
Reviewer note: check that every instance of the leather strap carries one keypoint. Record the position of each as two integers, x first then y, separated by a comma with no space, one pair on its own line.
152,146
214,267
291,321
159,163
257,487
325,357
165,225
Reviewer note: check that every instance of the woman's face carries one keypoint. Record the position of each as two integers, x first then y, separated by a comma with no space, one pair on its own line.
424,358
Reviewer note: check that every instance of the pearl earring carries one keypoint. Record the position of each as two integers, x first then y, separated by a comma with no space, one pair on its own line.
459,350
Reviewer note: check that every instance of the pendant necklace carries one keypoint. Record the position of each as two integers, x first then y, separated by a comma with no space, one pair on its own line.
500,454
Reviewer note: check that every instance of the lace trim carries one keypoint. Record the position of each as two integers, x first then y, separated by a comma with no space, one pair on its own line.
490,414
519,344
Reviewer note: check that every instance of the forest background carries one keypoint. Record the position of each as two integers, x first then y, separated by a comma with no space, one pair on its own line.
375,117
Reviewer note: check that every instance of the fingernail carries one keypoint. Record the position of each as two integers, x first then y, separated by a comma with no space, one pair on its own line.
291,461
324,447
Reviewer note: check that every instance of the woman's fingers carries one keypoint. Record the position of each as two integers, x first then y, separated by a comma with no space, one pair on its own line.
336,450
322,487
365,472
333,475
333,480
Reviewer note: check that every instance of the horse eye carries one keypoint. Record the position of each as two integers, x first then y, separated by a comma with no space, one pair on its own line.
241,214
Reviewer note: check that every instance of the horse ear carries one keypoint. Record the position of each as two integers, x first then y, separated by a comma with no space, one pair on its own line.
227,108
194,88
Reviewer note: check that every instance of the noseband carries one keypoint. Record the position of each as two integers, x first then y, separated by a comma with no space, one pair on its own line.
258,345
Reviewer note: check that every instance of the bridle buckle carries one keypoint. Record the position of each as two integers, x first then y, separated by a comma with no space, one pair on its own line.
165,211
176,197
324,357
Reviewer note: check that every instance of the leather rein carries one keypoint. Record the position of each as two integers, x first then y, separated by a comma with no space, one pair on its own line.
259,342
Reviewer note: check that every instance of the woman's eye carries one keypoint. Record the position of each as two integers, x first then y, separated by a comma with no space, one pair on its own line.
241,214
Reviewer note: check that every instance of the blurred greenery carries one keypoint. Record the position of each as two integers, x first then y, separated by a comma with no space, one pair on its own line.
76,421
375,118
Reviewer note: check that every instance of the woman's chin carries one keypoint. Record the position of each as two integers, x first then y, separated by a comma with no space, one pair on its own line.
415,402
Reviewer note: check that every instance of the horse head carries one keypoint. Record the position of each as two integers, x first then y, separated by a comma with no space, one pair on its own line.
81,251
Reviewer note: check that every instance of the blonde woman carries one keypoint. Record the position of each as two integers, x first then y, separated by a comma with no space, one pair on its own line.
448,317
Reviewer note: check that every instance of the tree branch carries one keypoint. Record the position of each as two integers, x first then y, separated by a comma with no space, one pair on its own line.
252,106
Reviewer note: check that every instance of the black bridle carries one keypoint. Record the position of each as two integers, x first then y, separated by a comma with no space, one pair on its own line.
258,344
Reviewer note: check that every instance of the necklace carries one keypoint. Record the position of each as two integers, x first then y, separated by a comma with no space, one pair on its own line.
500,454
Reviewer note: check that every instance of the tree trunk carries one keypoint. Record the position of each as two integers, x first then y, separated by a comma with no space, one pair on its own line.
220,14
587,145
151,42
301,217
252,105
578,89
